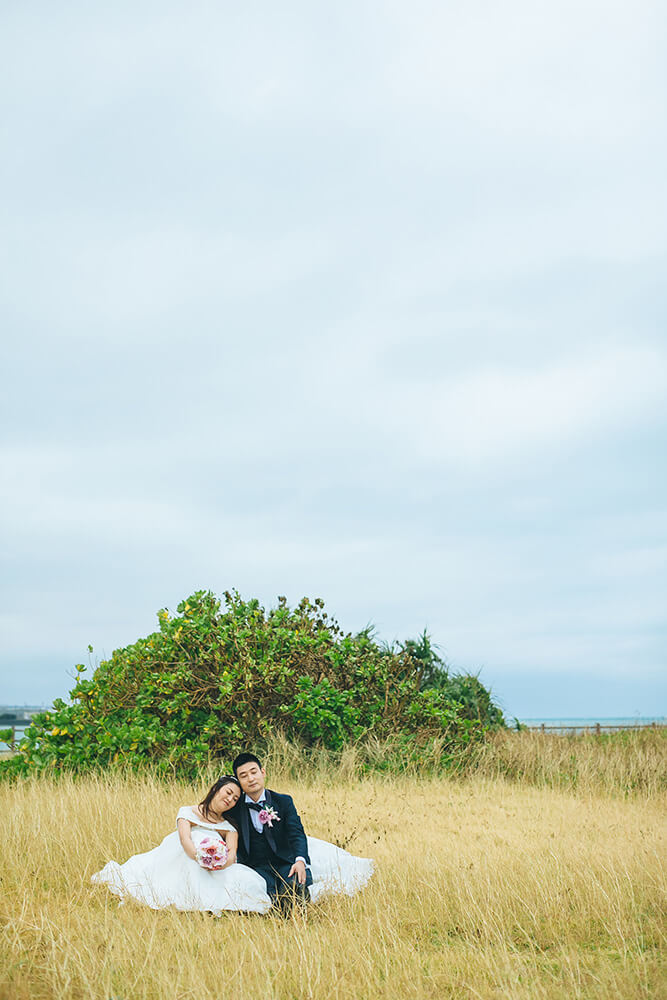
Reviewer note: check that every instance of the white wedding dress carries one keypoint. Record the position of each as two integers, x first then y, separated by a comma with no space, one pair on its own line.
166,876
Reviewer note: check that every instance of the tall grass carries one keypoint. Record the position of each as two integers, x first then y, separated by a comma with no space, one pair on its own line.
485,888
632,762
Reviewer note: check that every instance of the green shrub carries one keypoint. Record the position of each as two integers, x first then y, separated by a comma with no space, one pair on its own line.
213,681
466,690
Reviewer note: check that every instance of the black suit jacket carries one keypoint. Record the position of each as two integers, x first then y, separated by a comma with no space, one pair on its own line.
286,837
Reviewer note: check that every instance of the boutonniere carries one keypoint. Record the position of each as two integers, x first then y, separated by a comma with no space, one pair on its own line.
268,815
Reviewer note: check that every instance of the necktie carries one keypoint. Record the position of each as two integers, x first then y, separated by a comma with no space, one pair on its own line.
256,805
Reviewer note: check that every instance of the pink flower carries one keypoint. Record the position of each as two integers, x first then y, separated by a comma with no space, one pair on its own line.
268,815
211,853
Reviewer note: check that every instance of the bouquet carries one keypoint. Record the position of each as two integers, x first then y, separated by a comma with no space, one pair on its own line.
211,853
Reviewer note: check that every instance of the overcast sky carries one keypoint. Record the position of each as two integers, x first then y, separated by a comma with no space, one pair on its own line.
361,300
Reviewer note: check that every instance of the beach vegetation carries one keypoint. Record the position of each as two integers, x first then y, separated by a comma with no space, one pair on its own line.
215,677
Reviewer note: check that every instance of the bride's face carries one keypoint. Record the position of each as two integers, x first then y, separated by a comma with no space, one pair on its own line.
225,798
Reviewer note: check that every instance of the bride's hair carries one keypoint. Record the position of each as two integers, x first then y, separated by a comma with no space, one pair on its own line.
225,779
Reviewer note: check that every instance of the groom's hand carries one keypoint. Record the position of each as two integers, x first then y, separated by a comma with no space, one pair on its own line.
298,869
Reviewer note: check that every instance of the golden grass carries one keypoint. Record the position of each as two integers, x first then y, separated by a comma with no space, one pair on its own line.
627,763
484,889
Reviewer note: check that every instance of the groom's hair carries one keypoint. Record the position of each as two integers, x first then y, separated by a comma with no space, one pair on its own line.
245,758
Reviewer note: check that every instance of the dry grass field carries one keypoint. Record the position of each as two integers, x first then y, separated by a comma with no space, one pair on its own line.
485,888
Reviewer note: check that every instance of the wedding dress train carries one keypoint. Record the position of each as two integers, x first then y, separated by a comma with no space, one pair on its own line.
166,876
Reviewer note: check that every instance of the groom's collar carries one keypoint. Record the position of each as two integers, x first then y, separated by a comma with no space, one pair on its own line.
264,797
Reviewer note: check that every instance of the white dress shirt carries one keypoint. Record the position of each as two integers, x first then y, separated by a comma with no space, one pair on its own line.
256,821
254,815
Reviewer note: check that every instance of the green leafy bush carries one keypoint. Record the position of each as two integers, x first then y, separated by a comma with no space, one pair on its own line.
466,690
211,681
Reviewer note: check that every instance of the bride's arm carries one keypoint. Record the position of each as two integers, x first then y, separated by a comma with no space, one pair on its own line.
232,842
186,840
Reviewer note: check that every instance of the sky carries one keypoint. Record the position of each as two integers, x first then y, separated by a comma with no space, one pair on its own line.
361,301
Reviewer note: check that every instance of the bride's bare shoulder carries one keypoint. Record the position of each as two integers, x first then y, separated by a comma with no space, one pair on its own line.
190,813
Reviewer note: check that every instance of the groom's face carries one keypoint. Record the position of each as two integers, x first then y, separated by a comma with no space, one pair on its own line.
251,778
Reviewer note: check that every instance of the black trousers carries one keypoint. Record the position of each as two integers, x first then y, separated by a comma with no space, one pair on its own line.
278,881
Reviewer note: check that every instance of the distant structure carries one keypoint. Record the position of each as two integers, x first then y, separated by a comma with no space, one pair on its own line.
17,719
22,713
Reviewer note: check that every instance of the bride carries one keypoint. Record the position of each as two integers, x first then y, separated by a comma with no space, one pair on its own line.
195,867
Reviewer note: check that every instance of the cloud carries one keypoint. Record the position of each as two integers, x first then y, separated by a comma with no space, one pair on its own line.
364,302
494,415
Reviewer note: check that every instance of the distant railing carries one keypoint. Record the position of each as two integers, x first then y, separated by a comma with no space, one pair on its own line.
596,727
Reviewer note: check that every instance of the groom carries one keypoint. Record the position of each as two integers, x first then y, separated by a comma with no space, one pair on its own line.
271,837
